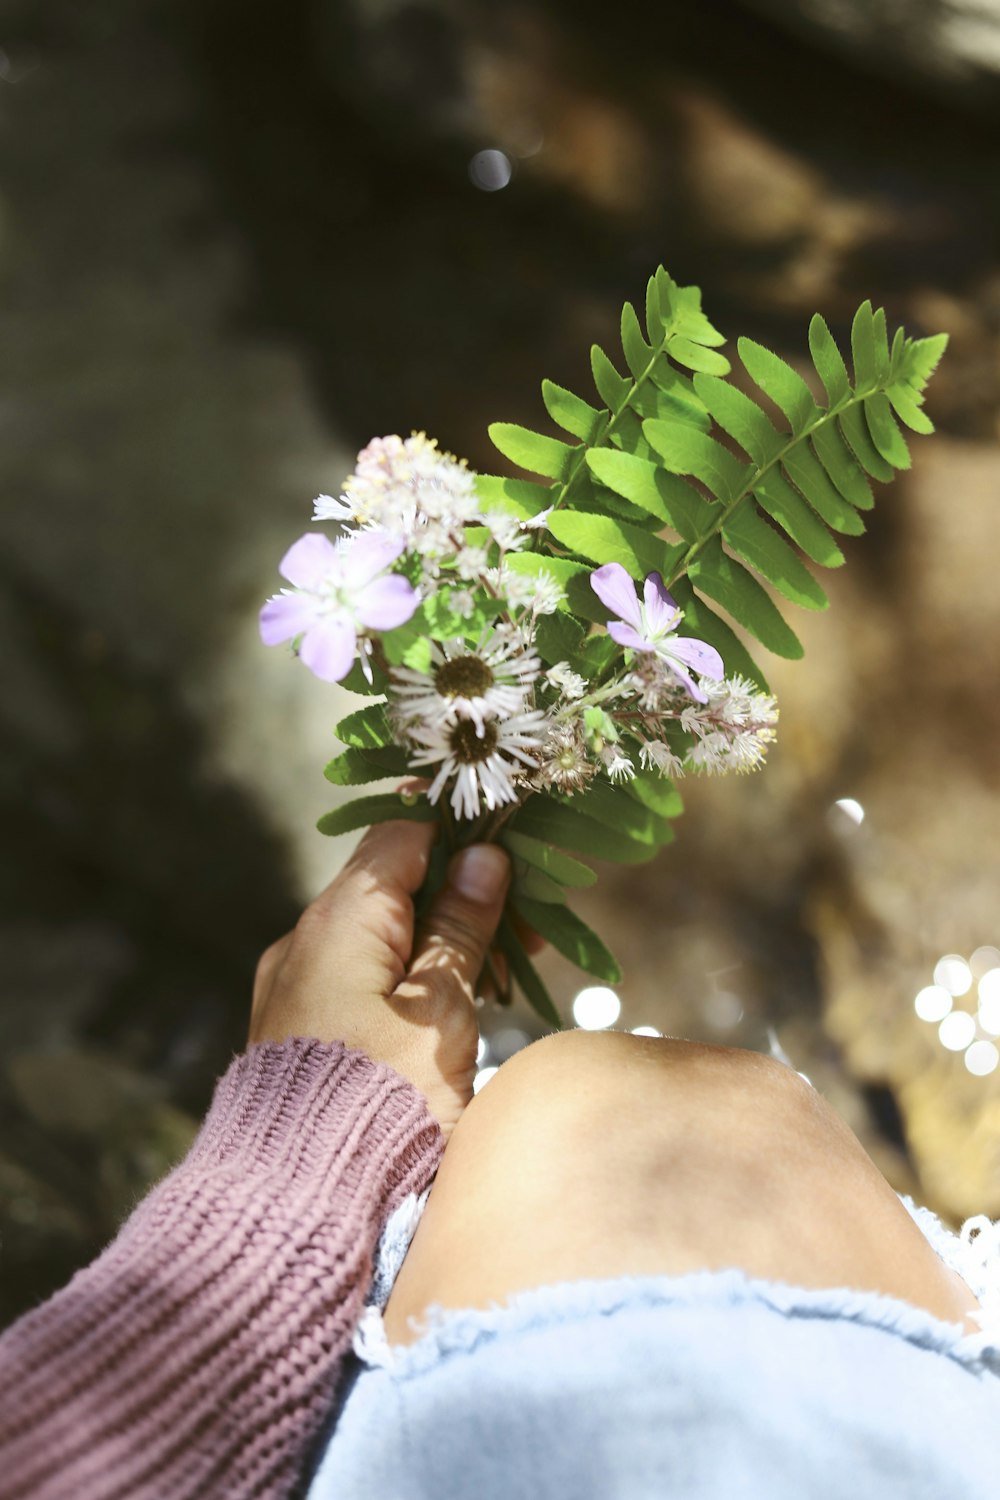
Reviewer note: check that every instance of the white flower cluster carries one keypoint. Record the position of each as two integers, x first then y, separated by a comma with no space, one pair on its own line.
730,731
408,489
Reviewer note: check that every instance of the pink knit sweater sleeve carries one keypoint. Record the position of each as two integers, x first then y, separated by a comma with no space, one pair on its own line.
199,1354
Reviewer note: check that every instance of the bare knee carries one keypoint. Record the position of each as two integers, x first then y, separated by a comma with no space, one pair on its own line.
658,1102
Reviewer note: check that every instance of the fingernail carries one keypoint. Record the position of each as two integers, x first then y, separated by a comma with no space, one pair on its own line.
480,873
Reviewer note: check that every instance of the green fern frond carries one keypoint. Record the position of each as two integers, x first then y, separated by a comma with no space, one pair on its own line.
650,457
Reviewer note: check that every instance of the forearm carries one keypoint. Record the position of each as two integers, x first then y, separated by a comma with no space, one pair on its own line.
199,1354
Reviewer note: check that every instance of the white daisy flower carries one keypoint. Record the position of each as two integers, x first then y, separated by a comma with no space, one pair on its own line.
492,681
489,765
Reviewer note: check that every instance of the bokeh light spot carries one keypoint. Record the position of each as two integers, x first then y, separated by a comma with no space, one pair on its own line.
490,170
953,974
482,1078
957,1031
982,1058
933,1003
596,1007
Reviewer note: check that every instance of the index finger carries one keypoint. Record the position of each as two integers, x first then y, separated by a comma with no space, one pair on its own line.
394,854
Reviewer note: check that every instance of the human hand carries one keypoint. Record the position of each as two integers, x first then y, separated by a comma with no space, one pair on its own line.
354,970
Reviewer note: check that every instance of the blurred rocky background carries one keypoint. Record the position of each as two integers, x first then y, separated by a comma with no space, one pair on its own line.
238,240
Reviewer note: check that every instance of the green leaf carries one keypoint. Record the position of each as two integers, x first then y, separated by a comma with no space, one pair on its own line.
557,637
518,497
595,499
741,418
811,479
729,584
684,304
532,884
597,651
383,807
654,313
357,682
685,450
908,411
527,977
613,806
355,767
863,349
628,435
605,540
829,361
921,358
571,937
612,388
638,354
531,450
571,412
696,357
881,342
704,624
778,380
775,495
855,430
366,728
554,862
885,434
761,546
656,792
554,822
671,395
841,465
665,496
410,638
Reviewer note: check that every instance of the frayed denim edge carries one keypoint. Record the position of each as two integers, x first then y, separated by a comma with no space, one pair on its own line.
450,1331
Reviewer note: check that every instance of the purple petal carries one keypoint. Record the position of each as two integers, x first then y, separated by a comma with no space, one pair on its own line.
661,607
698,654
626,636
285,616
386,603
688,681
328,648
616,589
309,561
364,555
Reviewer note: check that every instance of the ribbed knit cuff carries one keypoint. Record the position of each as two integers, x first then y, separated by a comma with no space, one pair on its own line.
281,1107
199,1354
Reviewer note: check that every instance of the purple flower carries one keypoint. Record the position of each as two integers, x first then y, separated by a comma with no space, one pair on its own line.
649,626
337,593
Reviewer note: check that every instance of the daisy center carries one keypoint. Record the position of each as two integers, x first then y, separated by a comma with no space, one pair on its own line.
470,748
463,677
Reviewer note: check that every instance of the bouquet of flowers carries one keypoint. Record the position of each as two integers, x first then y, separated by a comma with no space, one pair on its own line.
520,640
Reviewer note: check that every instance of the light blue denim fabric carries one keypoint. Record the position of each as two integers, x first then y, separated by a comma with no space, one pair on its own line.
709,1386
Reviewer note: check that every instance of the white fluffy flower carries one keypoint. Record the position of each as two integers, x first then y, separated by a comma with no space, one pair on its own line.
409,489
654,753
487,766
617,765
568,682
537,592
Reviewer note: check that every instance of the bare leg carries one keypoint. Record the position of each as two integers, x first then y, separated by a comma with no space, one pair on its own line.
605,1154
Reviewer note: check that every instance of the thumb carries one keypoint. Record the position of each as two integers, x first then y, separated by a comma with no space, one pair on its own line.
461,922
